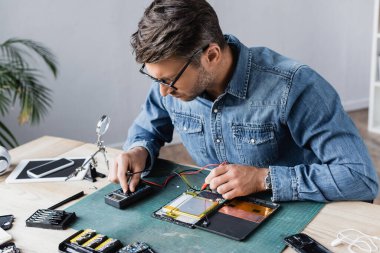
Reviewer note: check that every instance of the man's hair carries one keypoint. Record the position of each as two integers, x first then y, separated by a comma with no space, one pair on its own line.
175,28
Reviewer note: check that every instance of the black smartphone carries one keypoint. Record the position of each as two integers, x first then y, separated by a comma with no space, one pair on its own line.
303,243
49,168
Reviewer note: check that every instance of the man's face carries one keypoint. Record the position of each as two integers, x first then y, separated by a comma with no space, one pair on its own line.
192,83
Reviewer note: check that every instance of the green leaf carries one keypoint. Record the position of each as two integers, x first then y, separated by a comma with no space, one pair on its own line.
34,98
40,50
21,82
6,137
13,54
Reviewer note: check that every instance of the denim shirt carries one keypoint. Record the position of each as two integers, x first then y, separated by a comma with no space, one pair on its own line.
275,113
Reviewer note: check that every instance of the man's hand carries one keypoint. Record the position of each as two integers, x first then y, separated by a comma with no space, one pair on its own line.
132,161
232,180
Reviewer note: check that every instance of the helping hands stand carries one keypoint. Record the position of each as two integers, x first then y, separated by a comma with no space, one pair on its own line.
92,173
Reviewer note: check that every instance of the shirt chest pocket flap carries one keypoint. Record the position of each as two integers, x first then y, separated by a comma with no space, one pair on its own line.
253,134
256,144
186,124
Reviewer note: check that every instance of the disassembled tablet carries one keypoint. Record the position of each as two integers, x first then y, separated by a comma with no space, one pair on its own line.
206,210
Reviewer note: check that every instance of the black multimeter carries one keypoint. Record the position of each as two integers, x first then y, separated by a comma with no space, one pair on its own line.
121,200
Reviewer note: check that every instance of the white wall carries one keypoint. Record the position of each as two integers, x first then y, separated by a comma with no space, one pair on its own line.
332,36
98,74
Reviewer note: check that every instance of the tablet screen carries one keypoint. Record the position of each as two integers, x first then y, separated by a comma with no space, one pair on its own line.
238,218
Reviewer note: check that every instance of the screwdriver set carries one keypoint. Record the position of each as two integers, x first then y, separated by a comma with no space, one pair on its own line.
51,219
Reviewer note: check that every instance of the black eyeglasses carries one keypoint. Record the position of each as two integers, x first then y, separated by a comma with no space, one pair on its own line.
171,84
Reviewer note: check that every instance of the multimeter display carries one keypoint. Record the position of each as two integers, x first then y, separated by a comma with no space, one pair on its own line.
115,197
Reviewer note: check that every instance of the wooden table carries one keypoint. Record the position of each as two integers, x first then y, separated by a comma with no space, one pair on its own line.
22,200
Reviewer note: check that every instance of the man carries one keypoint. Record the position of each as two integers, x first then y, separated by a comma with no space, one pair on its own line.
277,123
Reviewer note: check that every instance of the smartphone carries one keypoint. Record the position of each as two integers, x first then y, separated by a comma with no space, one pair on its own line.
49,168
303,243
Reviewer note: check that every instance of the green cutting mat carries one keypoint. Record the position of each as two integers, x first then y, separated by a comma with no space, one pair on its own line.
136,223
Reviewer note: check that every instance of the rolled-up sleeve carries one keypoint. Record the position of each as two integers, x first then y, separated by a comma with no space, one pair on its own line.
152,127
317,122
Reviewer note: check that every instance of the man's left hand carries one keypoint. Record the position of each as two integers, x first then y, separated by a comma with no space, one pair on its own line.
233,180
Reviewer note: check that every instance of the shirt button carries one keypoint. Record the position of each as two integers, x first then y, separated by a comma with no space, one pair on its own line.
215,110
184,128
217,140
253,141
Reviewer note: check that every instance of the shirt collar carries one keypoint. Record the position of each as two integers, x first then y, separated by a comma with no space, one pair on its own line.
238,84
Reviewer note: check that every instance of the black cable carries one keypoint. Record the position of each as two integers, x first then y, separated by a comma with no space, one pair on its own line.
132,173
76,196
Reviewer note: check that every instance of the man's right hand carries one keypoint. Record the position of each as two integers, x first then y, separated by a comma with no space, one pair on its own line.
132,161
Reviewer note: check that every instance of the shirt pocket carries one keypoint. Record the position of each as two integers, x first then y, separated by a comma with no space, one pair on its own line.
256,143
190,128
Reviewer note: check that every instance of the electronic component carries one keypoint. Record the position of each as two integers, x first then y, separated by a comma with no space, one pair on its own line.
303,243
95,241
109,245
188,208
136,247
121,200
6,221
83,237
89,241
9,247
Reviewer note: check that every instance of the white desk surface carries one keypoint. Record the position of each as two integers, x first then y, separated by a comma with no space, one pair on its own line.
22,200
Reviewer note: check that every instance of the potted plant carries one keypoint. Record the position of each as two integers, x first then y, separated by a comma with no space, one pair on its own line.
21,82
